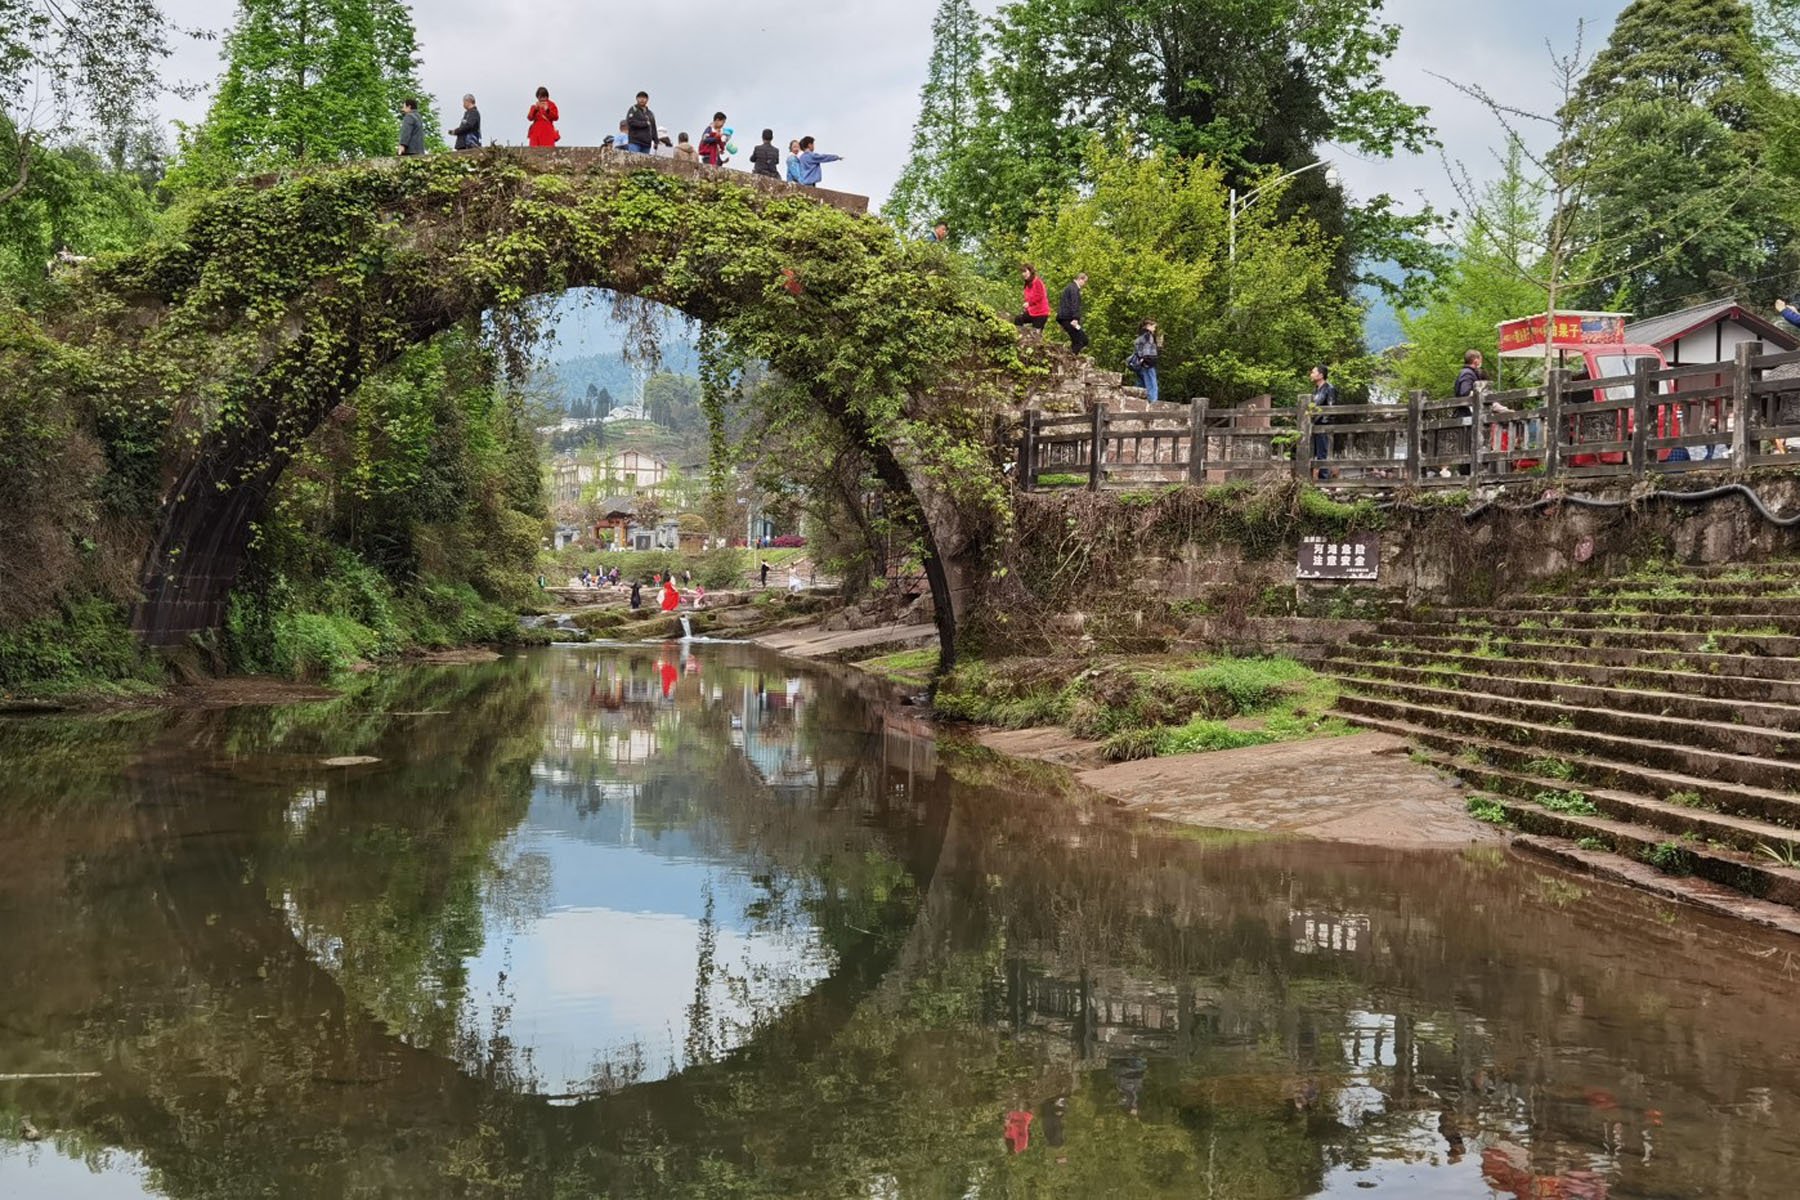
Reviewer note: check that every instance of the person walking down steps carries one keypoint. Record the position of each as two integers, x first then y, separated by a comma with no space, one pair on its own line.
1068,313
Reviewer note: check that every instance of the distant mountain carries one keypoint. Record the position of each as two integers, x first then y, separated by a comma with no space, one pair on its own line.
564,383
1381,323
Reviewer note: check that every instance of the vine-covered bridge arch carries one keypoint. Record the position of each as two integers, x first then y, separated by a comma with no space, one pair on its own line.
234,338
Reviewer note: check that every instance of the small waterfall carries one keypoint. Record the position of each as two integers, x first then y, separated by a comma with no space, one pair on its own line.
687,630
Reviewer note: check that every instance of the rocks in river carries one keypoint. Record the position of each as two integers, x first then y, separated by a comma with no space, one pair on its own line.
349,760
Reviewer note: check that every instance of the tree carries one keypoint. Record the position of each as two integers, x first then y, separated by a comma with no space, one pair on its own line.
673,401
73,199
935,171
1151,233
1248,85
1483,285
1668,120
305,81
61,62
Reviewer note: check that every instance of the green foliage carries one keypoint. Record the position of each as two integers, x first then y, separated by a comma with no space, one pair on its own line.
726,567
86,648
936,181
1552,768
1256,87
975,692
1787,854
73,199
1571,803
1592,843
306,83
1671,858
1672,126
1487,809
1482,286
1150,230
58,63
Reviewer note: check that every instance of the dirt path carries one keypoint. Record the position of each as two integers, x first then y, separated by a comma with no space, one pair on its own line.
1363,788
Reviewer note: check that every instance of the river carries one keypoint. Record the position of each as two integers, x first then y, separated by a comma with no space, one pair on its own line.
699,921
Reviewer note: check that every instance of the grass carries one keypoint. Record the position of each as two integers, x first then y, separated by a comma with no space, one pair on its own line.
905,666
1592,843
1487,809
1687,799
1671,858
1574,804
1787,854
1552,768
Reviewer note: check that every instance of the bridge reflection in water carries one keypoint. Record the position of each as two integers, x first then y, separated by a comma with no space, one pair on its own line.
653,921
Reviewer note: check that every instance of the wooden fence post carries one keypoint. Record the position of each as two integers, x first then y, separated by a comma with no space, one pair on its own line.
1028,451
1478,402
1742,376
1415,424
1303,423
1094,471
1554,381
1197,442
1641,392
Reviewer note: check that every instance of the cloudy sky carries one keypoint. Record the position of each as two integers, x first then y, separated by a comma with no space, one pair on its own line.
848,71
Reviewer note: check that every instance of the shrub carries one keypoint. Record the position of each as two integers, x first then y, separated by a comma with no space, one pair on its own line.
1486,808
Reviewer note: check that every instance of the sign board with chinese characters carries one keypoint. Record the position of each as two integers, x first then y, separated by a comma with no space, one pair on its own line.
1340,558
1564,330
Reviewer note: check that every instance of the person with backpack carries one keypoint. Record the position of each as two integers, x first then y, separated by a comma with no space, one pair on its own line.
1143,358
712,142
640,125
765,159
1037,299
468,134
1068,313
811,161
543,118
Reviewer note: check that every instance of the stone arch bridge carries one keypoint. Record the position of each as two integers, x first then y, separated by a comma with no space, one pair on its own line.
235,337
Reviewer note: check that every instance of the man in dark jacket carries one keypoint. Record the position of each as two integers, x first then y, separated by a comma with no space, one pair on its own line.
1470,375
1325,395
1068,313
765,160
640,125
412,130
468,134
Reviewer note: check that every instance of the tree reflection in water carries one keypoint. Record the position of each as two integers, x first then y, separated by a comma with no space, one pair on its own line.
297,980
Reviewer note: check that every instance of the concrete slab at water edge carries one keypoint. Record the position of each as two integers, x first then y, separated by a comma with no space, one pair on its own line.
813,642
1050,744
1363,788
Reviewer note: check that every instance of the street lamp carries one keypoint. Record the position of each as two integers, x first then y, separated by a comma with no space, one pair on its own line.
1237,206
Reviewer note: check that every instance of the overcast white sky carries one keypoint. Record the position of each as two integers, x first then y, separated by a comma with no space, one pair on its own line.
848,71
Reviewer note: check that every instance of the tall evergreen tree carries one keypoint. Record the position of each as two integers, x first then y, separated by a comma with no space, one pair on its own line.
927,188
305,81
1668,141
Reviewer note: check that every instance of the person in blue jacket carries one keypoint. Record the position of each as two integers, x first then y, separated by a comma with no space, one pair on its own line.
793,163
1787,310
810,162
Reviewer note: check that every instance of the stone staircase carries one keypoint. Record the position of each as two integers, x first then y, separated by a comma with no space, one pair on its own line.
1076,385
1653,717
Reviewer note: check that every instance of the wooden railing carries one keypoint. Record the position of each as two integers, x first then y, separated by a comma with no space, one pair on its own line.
1724,417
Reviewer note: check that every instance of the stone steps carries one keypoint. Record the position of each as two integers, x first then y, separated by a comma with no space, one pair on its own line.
1734,604
1510,643
1650,677
1761,624
1474,678
1613,720
1727,666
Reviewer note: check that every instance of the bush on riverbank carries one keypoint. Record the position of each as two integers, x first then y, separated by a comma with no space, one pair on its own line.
86,648
1145,709
351,614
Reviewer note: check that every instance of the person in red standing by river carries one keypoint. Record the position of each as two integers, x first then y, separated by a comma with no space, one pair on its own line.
671,599
543,117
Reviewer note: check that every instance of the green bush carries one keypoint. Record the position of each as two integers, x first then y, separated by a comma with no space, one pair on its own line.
88,646
722,568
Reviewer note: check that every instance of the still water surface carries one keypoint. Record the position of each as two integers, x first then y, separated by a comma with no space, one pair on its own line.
666,922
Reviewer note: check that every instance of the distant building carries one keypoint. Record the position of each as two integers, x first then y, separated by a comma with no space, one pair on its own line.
635,471
1710,333
568,477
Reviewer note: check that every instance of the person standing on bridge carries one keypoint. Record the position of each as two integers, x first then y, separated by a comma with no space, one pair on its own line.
765,160
640,125
412,130
811,161
468,134
1037,299
712,142
543,118
1068,313
1143,358
684,149
1325,395
793,163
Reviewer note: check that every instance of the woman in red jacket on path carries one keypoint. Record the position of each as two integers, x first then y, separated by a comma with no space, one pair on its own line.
1037,300
543,117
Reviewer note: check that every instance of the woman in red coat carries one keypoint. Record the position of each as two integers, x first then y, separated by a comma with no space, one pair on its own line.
1037,300
543,117
671,599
